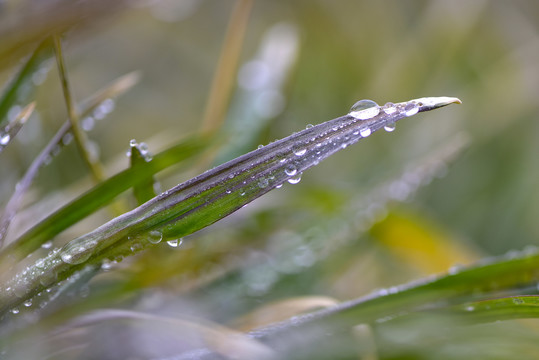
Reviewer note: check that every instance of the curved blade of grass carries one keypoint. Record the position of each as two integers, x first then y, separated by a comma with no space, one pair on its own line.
201,201
19,89
10,130
489,279
112,90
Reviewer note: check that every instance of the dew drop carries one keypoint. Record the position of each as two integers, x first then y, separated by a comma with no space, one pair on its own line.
389,127
28,303
389,108
135,247
290,170
364,109
75,254
365,131
411,109
67,138
46,245
260,146
299,151
4,139
279,186
295,179
155,236
132,142
263,183
87,123
15,310
174,243
309,126
106,265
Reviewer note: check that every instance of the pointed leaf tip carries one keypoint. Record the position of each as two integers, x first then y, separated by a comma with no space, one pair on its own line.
431,103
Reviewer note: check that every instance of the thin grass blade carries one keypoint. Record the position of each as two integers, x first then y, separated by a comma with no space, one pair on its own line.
19,90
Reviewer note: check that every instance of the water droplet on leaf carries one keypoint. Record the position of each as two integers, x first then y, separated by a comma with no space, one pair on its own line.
175,243
290,170
389,127
299,151
46,245
389,108
155,236
295,179
75,254
364,109
411,109
365,131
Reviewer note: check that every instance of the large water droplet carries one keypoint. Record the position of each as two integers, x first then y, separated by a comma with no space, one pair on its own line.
295,179
389,127
75,254
365,131
4,139
290,170
155,236
364,109
411,109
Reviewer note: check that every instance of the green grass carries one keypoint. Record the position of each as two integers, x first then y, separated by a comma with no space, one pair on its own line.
360,259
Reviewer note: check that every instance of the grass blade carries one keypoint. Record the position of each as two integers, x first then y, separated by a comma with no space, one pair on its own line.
481,282
19,89
213,195
80,136
60,139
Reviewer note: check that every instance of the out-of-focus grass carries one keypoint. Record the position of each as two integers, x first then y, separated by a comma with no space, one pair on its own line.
317,238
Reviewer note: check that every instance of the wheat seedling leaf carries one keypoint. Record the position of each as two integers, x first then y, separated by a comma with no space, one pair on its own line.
211,196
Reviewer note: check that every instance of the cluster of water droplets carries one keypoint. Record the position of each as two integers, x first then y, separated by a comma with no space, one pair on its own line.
368,109
142,149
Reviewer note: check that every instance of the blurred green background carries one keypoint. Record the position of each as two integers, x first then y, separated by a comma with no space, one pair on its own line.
308,61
